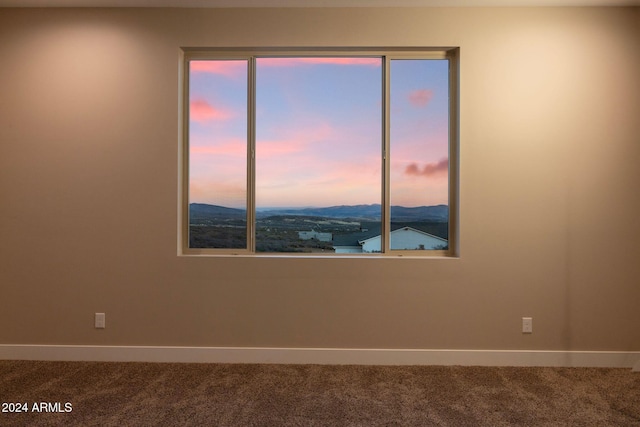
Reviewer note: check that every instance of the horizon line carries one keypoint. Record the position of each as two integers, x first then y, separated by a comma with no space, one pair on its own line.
315,207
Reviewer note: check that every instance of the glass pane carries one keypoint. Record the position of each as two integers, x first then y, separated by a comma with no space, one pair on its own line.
218,154
318,163
419,172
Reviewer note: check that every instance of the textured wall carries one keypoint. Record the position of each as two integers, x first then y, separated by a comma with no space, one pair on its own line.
549,200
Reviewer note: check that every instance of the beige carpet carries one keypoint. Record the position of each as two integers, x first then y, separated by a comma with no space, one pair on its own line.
146,394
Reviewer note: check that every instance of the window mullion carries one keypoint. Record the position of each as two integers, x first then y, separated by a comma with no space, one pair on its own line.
251,156
386,132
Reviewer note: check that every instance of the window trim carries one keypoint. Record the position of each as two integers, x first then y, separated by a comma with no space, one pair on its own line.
387,55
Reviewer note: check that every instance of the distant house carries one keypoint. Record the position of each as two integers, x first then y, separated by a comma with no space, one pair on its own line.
308,235
402,238
405,238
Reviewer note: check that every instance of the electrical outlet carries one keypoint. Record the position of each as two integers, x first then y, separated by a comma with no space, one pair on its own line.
527,325
100,321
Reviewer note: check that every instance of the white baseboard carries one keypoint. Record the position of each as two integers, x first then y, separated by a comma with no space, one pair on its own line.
323,356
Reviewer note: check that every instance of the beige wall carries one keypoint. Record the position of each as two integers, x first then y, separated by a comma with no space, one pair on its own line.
549,198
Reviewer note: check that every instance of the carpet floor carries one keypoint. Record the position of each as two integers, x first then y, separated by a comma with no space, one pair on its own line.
171,394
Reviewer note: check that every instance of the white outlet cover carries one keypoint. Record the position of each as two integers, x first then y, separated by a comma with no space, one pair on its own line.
100,321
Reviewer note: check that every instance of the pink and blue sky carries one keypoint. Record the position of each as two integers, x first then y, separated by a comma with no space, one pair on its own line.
318,132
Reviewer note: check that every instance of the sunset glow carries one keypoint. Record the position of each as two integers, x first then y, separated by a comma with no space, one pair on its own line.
327,110
318,132
419,133
218,133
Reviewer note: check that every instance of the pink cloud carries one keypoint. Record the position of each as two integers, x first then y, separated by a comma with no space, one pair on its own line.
295,140
201,111
429,170
300,166
232,148
231,69
289,62
420,97
306,184
238,68
218,192
269,148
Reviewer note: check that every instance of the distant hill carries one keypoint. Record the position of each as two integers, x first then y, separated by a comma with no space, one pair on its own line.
398,213
420,213
356,211
201,211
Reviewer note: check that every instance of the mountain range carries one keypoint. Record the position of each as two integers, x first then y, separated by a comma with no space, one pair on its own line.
200,211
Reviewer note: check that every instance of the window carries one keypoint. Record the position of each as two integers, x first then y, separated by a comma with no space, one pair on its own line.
320,152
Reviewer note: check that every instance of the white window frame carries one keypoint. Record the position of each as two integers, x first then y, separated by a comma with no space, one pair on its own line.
387,55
